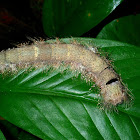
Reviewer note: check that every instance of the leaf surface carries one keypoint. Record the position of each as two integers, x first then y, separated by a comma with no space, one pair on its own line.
65,18
125,29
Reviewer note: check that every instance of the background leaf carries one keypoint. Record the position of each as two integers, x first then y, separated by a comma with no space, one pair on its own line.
53,104
125,29
73,18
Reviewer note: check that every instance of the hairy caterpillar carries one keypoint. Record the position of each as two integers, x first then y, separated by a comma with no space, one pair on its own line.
78,56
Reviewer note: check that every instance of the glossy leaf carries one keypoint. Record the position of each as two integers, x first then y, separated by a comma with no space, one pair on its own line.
125,29
65,18
54,104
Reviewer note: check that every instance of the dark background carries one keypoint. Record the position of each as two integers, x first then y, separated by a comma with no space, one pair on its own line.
20,20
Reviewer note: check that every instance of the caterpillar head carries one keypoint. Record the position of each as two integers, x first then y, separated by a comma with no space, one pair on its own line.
113,93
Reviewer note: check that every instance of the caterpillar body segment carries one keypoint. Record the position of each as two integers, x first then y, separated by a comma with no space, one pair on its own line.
77,56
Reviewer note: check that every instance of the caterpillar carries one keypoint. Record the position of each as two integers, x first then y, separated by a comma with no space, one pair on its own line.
78,57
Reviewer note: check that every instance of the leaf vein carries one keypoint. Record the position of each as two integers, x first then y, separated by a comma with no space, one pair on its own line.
66,117
91,117
35,125
113,125
134,125
46,118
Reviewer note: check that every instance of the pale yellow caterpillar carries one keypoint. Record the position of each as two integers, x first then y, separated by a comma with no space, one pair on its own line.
77,56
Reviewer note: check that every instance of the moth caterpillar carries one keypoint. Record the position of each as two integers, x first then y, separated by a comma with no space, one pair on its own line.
77,56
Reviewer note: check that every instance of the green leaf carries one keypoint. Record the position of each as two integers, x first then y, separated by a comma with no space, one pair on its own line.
2,136
65,18
125,29
54,104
